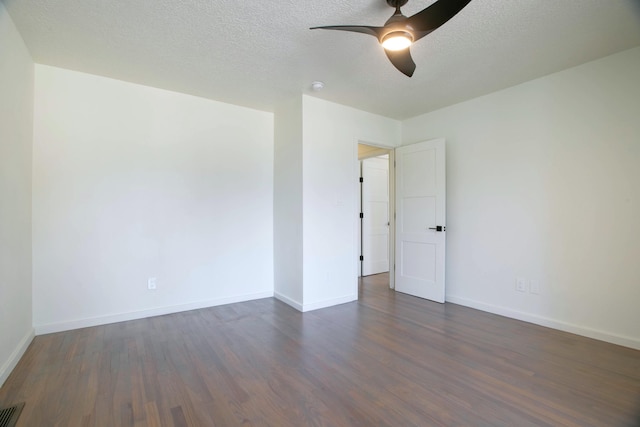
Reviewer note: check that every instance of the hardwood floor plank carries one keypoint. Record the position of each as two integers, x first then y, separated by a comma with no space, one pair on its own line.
387,360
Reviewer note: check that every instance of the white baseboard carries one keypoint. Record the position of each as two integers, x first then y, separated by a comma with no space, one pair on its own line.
49,328
14,358
329,302
285,299
316,305
550,323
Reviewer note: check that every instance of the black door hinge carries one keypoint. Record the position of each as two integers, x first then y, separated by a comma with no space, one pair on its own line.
361,215
361,179
361,258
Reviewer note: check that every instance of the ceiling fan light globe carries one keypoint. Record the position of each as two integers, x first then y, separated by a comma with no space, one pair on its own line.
397,40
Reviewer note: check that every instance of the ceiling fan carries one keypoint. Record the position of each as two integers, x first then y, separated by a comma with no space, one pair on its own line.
399,32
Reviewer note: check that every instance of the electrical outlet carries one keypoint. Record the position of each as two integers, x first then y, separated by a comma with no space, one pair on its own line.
152,283
534,287
521,284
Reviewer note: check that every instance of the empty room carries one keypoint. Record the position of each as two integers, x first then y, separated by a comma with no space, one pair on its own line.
319,213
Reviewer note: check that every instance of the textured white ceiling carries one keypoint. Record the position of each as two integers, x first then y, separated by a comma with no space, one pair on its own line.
256,52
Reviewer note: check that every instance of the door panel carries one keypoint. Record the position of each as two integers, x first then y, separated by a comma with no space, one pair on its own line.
420,207
416,212
375,201
419,177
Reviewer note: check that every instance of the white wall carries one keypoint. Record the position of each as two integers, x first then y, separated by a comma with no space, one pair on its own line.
542,183
331,133
132,182
16,115
288,203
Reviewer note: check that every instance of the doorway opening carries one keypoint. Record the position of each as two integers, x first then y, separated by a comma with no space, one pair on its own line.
375,231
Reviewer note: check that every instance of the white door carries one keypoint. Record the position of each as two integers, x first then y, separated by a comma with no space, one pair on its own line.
420,219
375,207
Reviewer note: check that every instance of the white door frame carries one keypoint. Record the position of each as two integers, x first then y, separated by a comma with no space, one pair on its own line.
392,204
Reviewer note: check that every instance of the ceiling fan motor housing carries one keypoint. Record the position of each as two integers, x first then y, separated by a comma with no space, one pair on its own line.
397,26
397,3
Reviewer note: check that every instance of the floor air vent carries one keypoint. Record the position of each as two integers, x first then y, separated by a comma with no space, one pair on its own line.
9,416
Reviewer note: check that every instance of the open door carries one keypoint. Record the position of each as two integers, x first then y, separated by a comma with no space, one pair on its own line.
375,209
420,219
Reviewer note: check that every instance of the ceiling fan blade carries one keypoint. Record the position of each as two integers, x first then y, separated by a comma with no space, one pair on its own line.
434,16
401,59
372,31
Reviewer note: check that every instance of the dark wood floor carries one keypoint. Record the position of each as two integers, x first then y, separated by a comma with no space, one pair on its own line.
387,360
